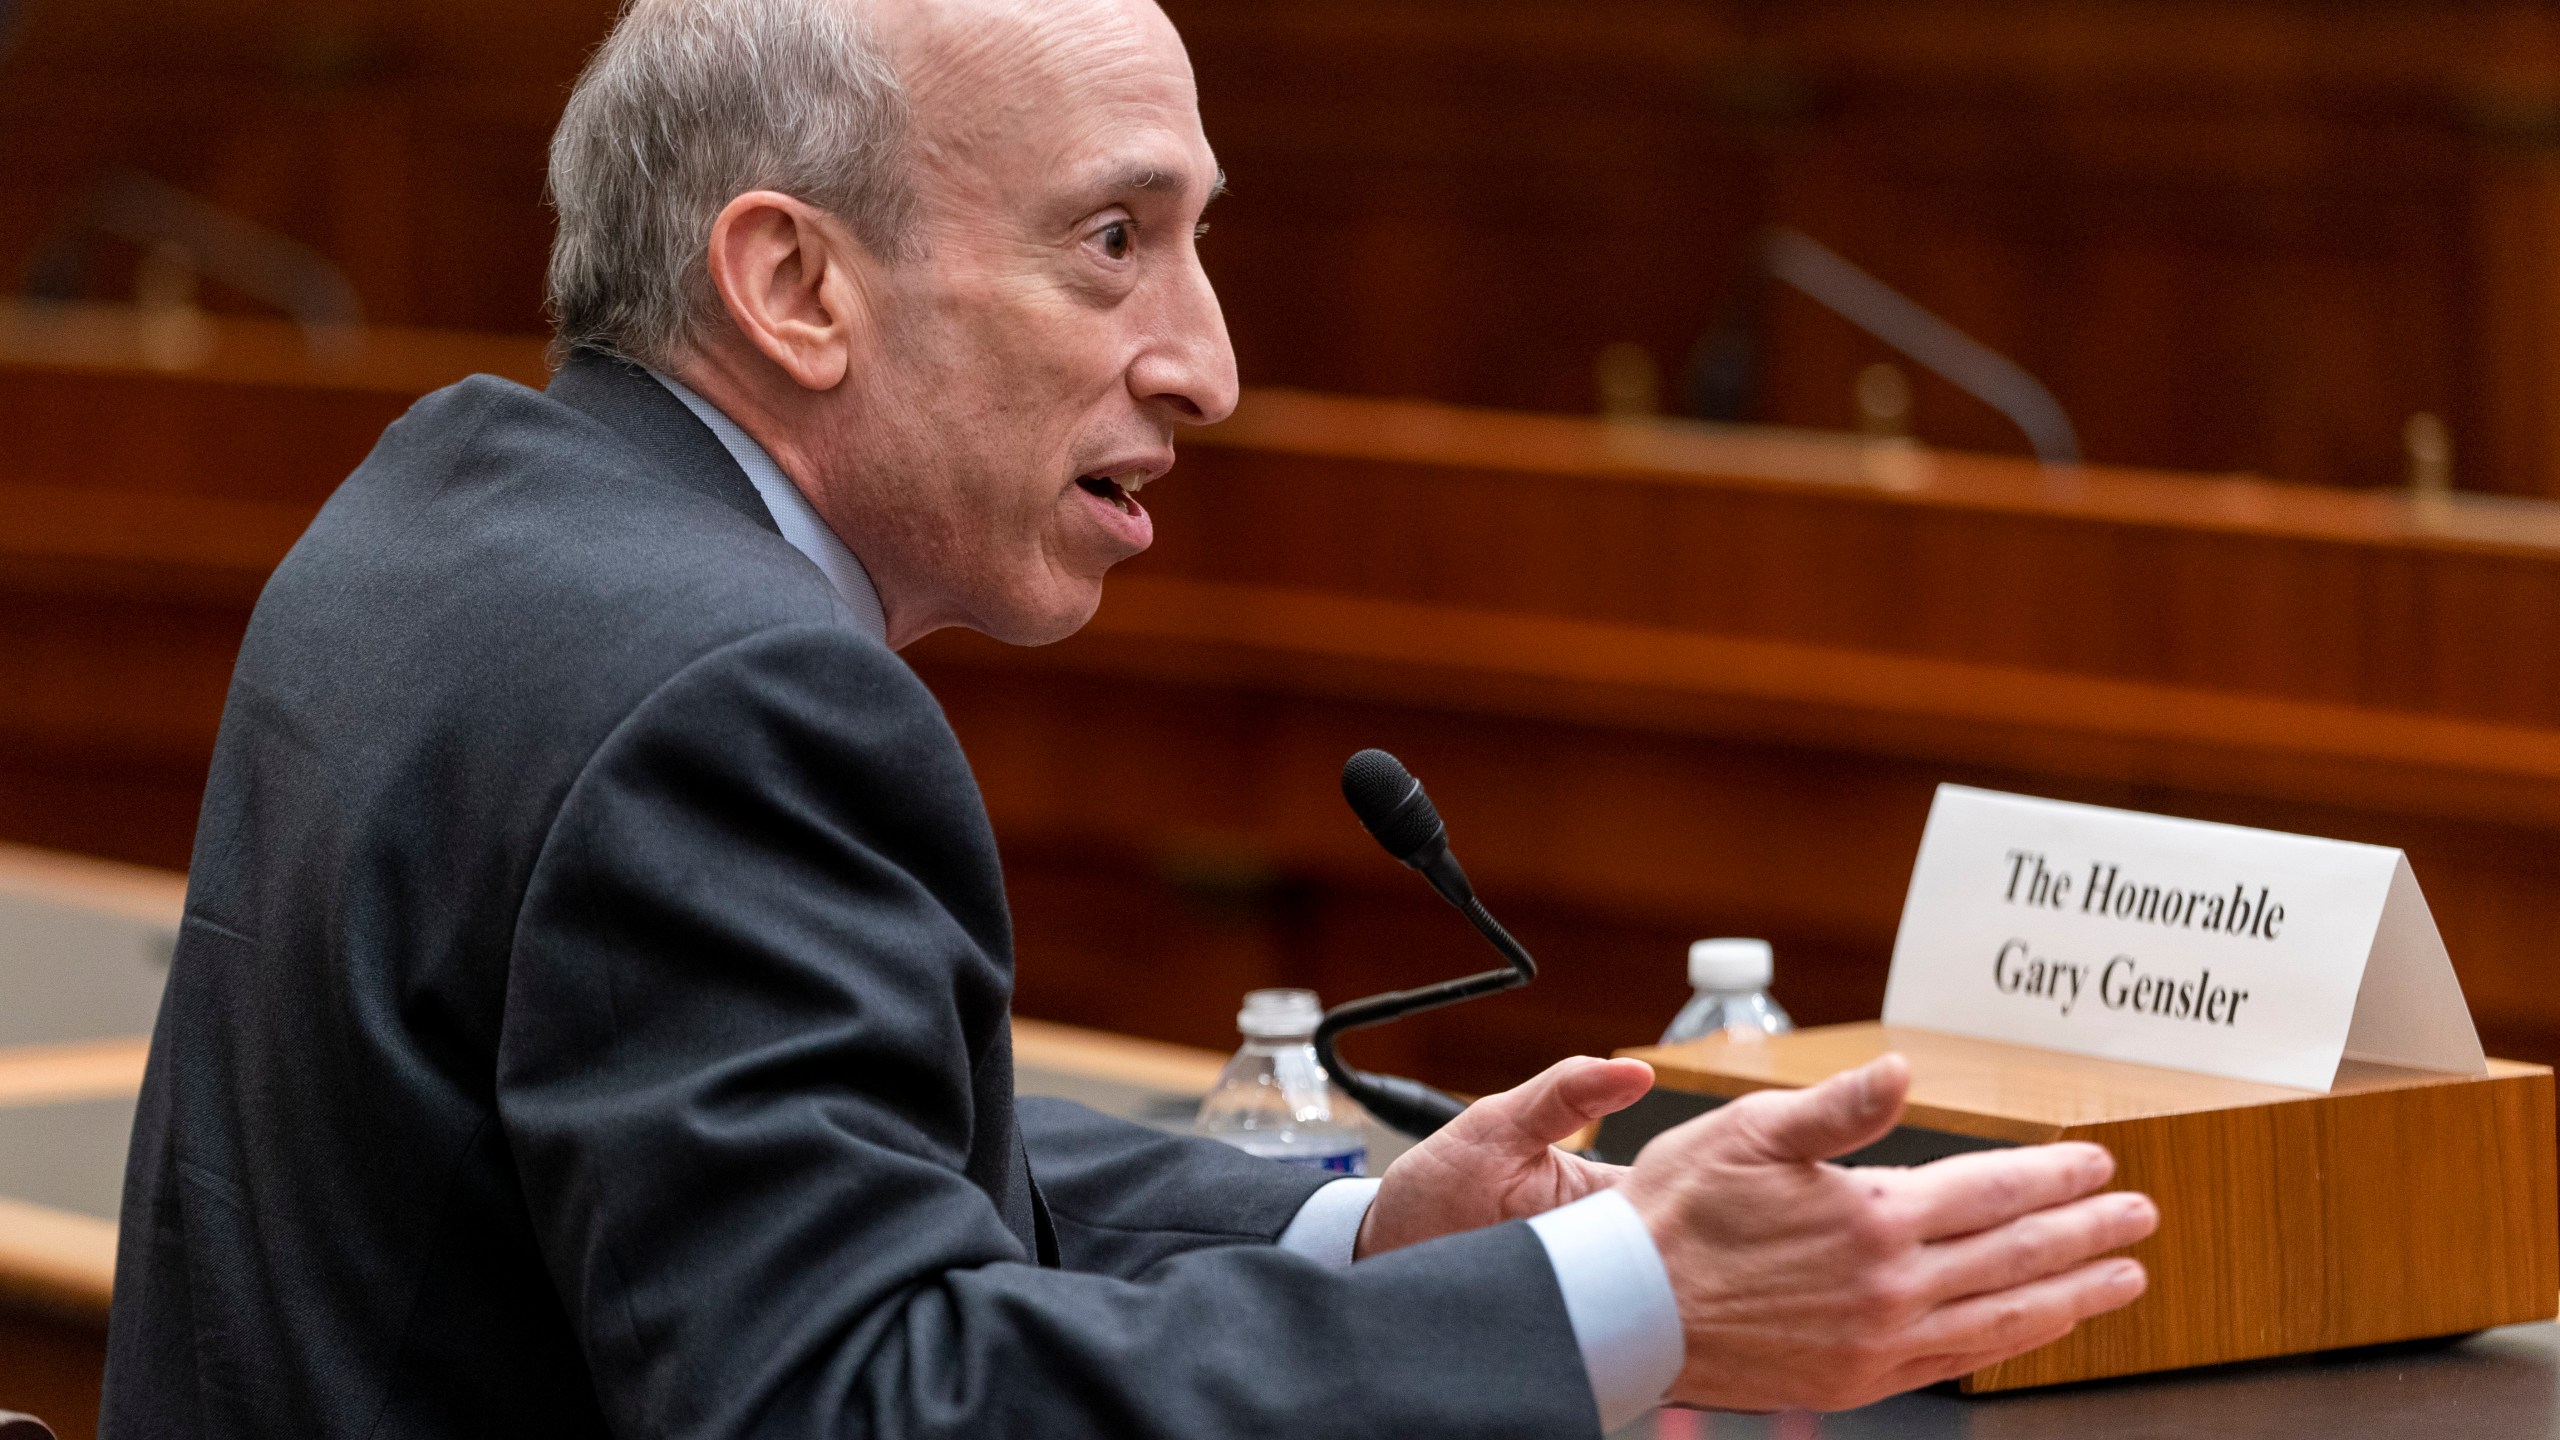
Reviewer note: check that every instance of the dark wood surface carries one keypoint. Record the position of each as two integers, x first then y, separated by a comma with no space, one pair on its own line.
2231,234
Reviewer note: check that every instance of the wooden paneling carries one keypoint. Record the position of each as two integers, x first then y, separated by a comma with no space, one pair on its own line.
402,140
1665,681
1670,682
143,509
2231,234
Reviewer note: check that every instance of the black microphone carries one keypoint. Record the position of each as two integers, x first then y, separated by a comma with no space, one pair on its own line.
1391,803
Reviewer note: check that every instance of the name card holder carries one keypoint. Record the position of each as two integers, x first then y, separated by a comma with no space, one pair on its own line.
2397,1205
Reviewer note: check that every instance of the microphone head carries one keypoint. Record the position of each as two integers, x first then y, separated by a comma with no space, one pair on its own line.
1390,802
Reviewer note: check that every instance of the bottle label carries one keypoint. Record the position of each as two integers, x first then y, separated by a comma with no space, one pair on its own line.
1354,1161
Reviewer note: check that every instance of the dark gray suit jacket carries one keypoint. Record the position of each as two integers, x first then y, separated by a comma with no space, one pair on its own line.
590,1018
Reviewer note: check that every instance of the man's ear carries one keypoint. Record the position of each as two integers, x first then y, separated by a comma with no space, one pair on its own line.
796,284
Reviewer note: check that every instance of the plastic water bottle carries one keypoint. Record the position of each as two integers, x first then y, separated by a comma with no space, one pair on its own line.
1273,1099
1732,981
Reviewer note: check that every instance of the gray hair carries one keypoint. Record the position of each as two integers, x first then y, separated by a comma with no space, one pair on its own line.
689,104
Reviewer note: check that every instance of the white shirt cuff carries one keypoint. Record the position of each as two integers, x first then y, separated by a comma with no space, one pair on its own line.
1327,1228
1618,1296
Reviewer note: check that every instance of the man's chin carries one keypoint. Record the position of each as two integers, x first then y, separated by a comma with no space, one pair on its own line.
1059,610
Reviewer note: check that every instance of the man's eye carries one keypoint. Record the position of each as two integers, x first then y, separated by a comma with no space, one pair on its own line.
1118,238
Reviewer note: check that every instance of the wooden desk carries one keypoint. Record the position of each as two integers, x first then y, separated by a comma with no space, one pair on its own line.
2393,1206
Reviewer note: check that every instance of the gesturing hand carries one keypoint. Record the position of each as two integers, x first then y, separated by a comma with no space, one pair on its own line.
1497,1161
1804,1284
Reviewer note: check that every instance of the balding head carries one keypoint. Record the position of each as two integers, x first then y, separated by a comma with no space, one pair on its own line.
690,103
976,69
948,278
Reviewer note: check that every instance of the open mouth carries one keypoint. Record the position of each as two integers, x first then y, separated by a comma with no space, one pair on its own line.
1110,489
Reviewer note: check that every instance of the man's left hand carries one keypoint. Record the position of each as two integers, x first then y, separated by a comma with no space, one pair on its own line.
1498,1160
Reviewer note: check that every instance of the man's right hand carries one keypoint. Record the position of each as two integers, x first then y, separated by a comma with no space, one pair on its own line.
1803,1284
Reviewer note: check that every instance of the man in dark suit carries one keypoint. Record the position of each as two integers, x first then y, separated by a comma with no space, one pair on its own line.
591,1011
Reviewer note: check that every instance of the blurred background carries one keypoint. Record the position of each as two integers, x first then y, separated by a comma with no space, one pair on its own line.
1648,397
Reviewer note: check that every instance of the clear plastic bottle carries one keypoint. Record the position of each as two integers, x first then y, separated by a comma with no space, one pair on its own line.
1732,980
1273,1099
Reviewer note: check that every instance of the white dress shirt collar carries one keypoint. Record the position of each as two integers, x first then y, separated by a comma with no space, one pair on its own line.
793,515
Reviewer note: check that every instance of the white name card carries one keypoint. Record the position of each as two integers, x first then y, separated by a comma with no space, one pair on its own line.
2180,943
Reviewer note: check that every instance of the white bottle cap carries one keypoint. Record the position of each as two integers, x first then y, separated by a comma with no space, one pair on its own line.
1730,964
1277,1014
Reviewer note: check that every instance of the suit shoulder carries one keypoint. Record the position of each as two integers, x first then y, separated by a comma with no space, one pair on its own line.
495,513
501,585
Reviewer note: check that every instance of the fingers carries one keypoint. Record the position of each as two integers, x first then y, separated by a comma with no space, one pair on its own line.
2041,1308
2014,1321
1846,1112
1558,1101
1963,1194
1935,1368
2033,1246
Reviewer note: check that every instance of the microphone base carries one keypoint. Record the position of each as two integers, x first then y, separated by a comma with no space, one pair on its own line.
1407,1106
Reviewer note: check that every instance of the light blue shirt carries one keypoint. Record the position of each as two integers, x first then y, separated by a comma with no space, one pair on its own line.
1616,1293
793,515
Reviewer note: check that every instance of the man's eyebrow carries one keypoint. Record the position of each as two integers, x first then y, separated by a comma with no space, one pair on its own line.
1151,178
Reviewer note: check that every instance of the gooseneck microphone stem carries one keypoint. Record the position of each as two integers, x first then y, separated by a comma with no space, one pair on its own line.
1391,803
1409,1105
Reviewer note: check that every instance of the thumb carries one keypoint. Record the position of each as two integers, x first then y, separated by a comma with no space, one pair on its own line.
1556,1102
1846,1112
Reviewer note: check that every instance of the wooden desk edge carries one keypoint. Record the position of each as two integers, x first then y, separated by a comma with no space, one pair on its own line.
82,1070
1806,1057
1672,451
56,1262
1101,1055
85,883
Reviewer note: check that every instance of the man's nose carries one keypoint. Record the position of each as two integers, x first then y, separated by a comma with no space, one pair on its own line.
1189,367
